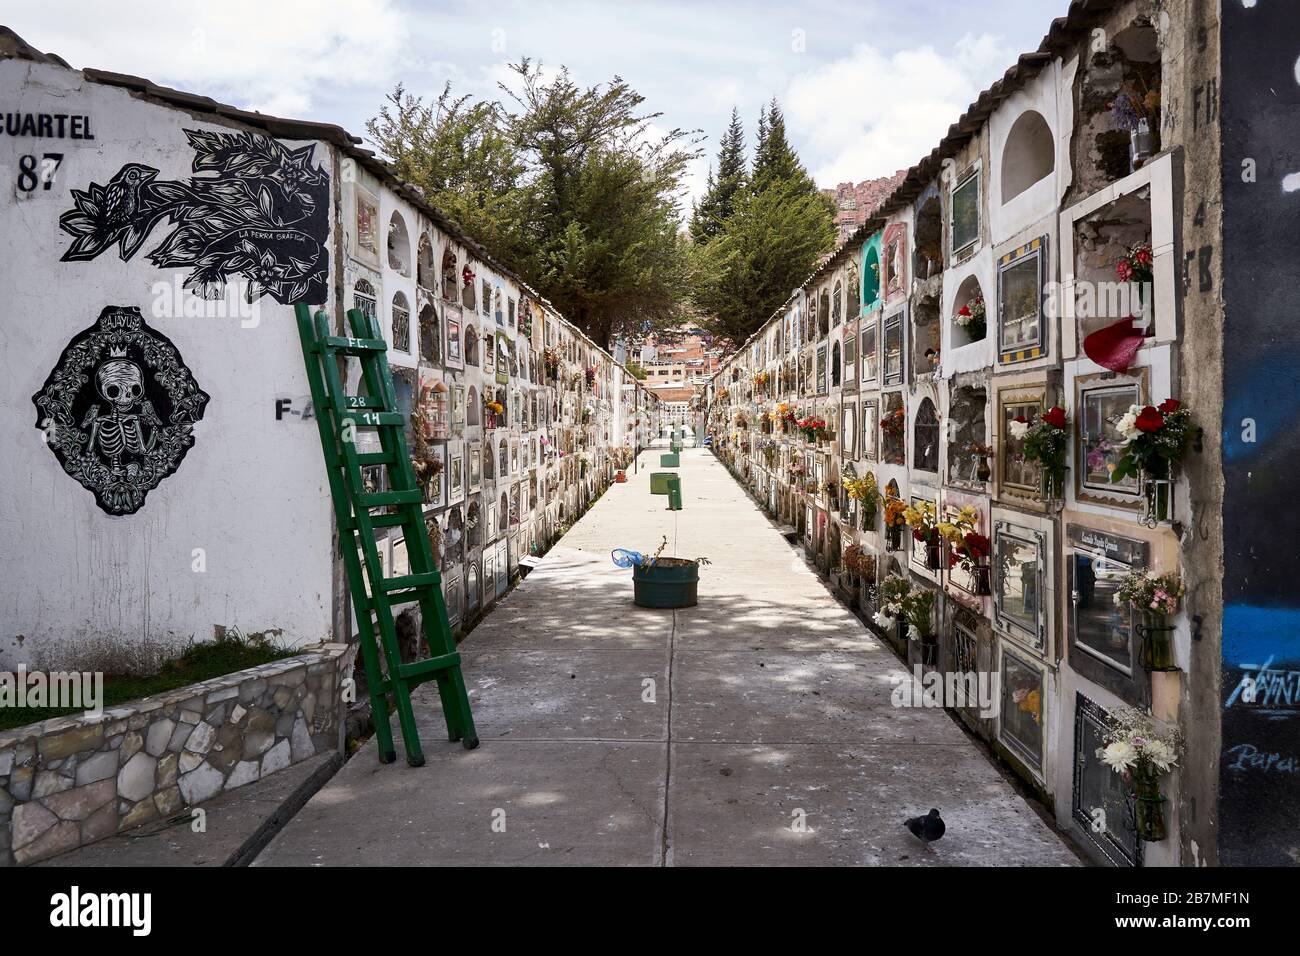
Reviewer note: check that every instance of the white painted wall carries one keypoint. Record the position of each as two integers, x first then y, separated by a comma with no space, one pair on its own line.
251,492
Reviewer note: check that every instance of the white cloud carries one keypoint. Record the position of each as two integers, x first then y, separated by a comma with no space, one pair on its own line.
270,56
869,114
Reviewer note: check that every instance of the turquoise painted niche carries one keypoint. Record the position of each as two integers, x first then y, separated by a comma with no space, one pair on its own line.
871,267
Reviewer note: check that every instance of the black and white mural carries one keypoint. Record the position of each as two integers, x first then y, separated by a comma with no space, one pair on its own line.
259,211
119,408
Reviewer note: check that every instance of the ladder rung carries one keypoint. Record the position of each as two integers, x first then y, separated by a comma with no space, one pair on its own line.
381,499
350,346
430,665
392,520
376,458
388,520
406,582
368,419
362,401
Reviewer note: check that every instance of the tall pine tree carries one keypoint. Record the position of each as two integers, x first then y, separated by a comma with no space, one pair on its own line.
719,199
778,227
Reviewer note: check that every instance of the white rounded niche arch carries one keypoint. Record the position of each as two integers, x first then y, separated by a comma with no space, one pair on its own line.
399,245
1028,156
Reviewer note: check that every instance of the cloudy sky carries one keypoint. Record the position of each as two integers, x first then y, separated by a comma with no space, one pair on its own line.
867,86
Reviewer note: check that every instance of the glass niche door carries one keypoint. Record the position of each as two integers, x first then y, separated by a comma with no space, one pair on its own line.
1101,807
1101,627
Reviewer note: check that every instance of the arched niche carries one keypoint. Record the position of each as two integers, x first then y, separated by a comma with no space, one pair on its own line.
928,259
967,327
430,334
473,407
426,276
401,324
925,437
450,277
471,344
399,245
871,275
1028,155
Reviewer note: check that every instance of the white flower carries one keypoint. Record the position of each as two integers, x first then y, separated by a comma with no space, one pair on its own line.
1118,601
913,633
1119,756
1160,754
1018,429
1127,426
883,620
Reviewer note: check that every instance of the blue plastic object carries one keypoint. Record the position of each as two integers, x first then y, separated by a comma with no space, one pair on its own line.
626,559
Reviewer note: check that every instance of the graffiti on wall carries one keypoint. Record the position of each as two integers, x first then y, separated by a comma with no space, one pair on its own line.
256,210
119,409
1259,801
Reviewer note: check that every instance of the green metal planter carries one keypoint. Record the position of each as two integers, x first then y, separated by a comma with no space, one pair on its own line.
668,583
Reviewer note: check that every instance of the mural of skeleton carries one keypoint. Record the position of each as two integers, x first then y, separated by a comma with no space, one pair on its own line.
119,409
129,417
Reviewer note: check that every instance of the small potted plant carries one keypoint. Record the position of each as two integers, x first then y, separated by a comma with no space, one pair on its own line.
1046,442
1154,439
660,582
1156,597
1133,747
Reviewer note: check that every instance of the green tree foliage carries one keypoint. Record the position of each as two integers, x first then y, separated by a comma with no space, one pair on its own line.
568,185
779,226
719,199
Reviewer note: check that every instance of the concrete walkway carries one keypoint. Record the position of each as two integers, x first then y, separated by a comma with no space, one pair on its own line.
769,706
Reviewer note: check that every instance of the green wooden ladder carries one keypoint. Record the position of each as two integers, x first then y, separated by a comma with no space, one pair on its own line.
339,417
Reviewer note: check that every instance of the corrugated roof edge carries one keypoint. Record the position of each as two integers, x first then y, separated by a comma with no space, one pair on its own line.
14,46
1062,33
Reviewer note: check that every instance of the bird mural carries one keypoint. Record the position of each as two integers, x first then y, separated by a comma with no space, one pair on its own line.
928,828
123,212
258,211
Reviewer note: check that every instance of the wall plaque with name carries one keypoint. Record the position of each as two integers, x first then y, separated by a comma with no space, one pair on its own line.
1130,551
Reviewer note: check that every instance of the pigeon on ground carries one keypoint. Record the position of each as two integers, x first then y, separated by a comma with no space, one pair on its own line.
928,828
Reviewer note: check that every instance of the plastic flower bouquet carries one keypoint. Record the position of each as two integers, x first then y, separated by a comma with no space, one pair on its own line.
1134,748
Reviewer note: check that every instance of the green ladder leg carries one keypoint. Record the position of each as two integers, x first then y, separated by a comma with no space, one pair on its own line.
339,417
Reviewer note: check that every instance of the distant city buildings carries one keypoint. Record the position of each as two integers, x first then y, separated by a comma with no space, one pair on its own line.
855,202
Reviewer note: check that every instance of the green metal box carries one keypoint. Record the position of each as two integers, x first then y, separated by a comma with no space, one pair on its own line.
670,461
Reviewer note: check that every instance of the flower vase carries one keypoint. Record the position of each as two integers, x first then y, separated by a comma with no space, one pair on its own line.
929,650
982,575
894,538
1157,642
1054,486
983,472
1149,807
1141,145
1158,490
868,517
934,552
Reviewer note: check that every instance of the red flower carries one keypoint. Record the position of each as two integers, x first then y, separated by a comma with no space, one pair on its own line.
1143,256
1169,406
1123,269
1022,419
1150,420
964,310
1055,416
978,545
